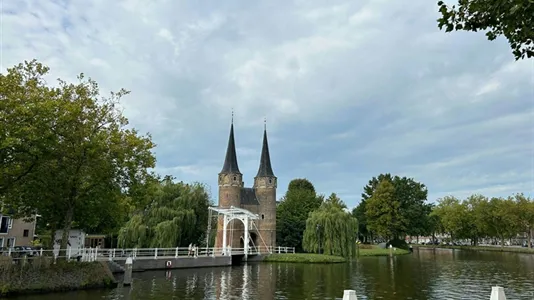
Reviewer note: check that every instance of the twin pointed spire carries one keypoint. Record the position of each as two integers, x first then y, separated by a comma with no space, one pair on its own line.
230,162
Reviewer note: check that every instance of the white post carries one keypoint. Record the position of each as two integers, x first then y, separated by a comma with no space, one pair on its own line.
176,253
246,236
128,272
349,295
156,253
497,293
225,224
96,254
68,252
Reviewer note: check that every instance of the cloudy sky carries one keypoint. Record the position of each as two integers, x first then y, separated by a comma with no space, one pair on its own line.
350,89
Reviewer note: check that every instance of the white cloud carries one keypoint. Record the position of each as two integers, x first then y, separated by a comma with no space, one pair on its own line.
349,89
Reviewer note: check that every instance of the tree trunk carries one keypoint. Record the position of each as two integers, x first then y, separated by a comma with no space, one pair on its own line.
66,230
529,243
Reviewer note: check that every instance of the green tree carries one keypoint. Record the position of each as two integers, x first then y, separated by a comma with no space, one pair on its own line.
359,213
84,159
452,215
331,230
477,224
411,196
502,218
384,211
25,140
525,214
514,19
293,211
334,200
301,184
176,216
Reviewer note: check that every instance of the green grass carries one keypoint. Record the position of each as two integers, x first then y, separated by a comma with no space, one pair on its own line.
376,251
480,248
307,258
310,258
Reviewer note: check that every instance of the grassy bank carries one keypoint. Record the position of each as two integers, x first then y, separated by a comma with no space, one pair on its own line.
376,251
480,248
40,275
304,258
367,250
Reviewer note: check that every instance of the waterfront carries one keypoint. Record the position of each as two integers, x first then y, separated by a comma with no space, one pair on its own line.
426,274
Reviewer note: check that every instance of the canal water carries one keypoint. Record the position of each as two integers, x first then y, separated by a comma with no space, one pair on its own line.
425,274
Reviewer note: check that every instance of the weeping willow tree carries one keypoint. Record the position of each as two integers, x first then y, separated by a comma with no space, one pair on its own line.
176,217
331,230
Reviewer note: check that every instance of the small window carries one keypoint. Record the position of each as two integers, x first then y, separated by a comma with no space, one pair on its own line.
10,243
270,180
26,233
262,216
235,178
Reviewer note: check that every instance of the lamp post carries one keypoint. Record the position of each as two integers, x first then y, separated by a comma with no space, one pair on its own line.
319,236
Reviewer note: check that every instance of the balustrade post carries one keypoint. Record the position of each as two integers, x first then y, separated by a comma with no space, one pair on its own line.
176,253
156,253
349,295
497,293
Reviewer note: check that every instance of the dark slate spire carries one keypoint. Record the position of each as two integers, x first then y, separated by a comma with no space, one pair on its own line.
230,162
265,169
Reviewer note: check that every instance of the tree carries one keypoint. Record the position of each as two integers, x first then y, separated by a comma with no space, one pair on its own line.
359,214
502,218
477,224
301,184
84,157
525,214
411,196
335,201
383,211
451,214
24,139
513,19
293,211
176,216
331,230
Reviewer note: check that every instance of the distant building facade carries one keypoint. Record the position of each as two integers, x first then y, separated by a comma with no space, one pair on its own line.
15,232
260,199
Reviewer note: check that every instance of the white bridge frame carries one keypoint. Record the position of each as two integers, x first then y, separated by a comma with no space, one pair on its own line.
235,213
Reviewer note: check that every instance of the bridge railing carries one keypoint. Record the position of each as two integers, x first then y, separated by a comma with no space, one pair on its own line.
93,254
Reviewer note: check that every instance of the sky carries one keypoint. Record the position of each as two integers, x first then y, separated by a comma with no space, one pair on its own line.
349,89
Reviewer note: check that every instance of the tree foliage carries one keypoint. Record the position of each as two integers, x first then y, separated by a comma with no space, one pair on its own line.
65,151
176,216
293,211
383,211
409,199
479,217
514,19
331,230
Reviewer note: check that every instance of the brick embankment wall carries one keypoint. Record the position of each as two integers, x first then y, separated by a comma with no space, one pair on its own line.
40,275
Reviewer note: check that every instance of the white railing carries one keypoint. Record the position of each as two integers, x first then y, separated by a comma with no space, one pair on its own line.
94,254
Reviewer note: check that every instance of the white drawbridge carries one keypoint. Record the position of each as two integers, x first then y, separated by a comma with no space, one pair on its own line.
236,213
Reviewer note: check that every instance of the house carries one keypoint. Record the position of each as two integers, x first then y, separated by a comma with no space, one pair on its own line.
15,232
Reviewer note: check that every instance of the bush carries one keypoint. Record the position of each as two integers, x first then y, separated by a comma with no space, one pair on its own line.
401,244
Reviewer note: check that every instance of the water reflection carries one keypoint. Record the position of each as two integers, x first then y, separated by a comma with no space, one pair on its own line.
426,274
